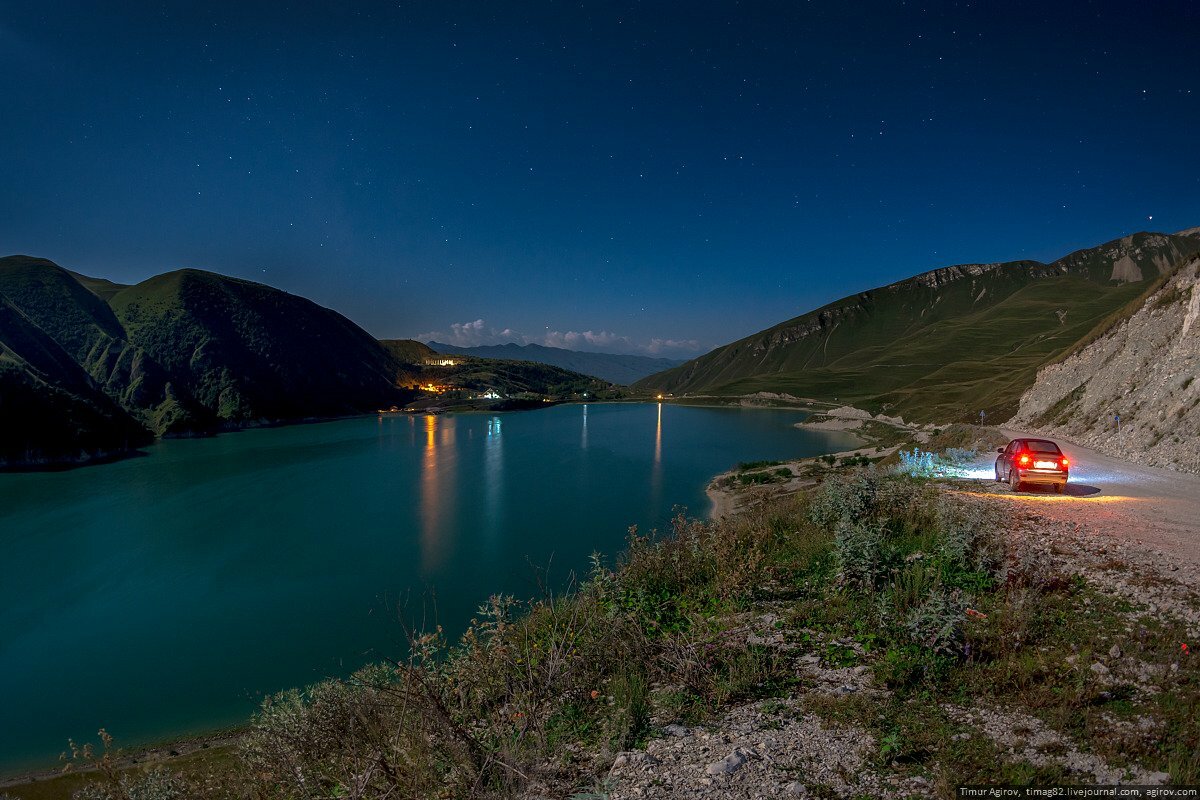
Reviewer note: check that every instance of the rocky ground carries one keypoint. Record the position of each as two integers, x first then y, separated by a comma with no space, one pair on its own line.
813,744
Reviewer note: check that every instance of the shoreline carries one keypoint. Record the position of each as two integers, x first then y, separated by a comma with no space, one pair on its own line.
723,503
66,464
728,500
153,753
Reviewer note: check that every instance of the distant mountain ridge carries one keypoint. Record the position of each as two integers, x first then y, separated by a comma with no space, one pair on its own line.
620,369
90,368
944,344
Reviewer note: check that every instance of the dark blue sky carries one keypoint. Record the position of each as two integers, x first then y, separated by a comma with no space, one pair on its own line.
653,173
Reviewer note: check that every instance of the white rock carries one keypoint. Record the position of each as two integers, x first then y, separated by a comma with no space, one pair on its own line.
727,765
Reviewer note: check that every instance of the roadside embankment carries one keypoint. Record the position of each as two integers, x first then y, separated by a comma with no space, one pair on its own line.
1134,392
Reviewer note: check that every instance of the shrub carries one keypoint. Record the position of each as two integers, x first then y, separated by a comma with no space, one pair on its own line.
937,624
925,554
860,552
968,547
918,463
157,784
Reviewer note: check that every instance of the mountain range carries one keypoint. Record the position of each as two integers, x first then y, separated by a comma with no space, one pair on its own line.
943,345
620,369
90,368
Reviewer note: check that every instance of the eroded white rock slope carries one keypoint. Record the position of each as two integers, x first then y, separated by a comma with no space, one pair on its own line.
1145,370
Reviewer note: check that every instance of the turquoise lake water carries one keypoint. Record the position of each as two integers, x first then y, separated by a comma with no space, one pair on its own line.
164,595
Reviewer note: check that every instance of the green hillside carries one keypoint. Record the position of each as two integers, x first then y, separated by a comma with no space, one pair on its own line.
84,325
250,352
476,374
515,377
50,410
942,345
86,360
408,351
59,304
101,287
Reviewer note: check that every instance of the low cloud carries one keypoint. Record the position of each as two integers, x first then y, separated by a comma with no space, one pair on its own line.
668,346
478,332
471,334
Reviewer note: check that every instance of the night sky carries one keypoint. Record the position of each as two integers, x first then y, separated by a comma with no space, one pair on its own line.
663,177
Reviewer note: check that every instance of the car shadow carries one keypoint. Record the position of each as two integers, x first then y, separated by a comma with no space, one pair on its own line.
1071,490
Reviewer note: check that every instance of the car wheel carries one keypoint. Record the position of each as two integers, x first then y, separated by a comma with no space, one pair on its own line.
998,478
1013,481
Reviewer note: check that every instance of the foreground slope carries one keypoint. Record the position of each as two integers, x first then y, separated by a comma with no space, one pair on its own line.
248,352
945,344
1145,369
614,368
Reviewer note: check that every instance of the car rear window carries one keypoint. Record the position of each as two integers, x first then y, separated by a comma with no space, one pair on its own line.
1042,447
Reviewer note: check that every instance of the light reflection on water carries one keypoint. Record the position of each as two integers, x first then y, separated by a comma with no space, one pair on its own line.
189,582
493,468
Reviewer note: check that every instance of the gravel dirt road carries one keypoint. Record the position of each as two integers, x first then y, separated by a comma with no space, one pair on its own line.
1156,509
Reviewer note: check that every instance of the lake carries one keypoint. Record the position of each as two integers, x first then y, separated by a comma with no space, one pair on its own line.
164,595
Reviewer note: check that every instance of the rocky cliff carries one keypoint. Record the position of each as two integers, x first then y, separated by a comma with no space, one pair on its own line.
1143,369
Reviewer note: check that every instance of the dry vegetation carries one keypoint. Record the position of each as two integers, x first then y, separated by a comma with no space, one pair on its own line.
945,613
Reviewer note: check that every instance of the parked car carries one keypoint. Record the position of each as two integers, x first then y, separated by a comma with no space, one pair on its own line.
1032,461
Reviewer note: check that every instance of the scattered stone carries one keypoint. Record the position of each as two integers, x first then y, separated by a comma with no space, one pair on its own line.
676,730
1114,652
728,765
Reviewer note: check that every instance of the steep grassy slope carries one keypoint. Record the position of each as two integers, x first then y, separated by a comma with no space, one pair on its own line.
101,287
183,352
50,410
250,352
59,304
942,345
82,323
622,369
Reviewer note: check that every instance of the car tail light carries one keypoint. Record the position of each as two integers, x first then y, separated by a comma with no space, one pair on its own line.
1064,462
1024,458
